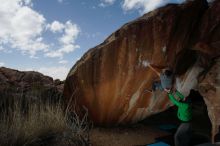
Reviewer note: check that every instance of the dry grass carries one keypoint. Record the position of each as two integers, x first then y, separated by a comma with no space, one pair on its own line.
42,125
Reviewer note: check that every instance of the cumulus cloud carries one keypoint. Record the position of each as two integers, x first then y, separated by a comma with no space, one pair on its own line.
55,26
145,6
28,2
66,41
105,3
23,28
17,22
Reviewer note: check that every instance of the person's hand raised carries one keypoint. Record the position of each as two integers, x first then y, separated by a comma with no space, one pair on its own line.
167,90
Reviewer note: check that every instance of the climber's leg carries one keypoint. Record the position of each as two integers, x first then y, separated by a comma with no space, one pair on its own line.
183,134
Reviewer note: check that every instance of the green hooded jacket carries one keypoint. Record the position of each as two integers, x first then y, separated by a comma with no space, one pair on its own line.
184,109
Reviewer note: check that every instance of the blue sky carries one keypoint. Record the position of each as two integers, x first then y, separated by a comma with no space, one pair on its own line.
49,36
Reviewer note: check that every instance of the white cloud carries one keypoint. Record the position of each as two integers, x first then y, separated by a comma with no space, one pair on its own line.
63,62
17,22
55,26
66,41
71,33
2,64
57,72
60,52
23,28
105,3
28,2
145,6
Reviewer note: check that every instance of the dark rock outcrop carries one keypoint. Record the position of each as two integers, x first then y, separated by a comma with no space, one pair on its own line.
28,86
110,80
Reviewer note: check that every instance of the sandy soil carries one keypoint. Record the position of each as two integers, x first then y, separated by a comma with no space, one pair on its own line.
138,134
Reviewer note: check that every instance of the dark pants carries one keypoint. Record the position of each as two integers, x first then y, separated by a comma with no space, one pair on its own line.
157,86
183,134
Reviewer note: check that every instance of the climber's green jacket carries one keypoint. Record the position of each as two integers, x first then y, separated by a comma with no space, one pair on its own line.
184,109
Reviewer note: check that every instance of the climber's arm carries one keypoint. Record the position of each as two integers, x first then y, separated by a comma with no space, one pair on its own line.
173,99
154,70
180,95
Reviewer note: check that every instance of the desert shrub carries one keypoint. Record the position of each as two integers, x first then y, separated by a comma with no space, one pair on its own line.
43,124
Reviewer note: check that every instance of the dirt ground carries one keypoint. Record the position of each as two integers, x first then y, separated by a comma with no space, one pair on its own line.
137,134
145,132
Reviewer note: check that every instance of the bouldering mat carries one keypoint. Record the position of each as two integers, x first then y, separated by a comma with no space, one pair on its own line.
171,128
158,144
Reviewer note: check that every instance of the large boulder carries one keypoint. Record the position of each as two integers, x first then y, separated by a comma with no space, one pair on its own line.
111,79
209,87
208,50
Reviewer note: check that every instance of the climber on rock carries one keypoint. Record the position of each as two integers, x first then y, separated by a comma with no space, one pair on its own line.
166,79
184,131
184,114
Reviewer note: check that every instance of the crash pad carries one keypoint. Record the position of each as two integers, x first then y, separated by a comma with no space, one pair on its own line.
158,144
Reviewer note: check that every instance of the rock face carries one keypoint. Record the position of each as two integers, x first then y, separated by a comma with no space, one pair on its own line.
28,85
210,89
111,79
